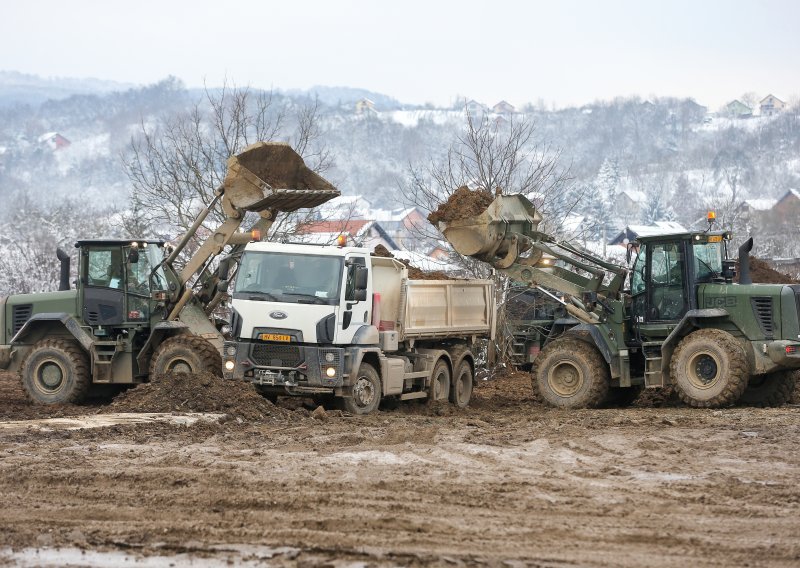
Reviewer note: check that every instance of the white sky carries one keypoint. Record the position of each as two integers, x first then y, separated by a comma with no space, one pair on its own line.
561,51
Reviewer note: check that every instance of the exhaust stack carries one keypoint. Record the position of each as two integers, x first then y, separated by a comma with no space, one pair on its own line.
64,276
744,262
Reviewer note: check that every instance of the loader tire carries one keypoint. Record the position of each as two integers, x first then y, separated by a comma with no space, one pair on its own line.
774,389
56,371
570,373
185,354
709,369
364,395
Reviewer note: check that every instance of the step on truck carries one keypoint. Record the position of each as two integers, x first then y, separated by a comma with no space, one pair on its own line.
321,321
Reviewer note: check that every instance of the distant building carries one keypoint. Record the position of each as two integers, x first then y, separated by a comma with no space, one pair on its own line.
504,107
737,109
630,202
474,108
365,105
770,105
54,141
358,232
787,207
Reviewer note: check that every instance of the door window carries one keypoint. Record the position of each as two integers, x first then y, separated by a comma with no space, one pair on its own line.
667,298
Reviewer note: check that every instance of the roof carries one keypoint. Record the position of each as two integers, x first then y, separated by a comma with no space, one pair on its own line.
761,204
633,232
770,96
102,241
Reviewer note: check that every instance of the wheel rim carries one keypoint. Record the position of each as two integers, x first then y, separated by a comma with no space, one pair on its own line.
703,370
565,379
363,392
439,387
179,365
50,376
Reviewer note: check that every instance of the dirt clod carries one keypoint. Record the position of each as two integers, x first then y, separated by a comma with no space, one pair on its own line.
463,203
414,273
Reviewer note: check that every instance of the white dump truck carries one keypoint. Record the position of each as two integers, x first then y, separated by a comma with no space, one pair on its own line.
316,320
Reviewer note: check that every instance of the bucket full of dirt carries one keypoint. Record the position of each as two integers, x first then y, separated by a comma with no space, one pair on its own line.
477,228
271,175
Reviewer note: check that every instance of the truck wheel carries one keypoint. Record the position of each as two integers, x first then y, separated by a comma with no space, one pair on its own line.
365,393
185,354
774,389
56,371
439,389
461,389
570,373
709,369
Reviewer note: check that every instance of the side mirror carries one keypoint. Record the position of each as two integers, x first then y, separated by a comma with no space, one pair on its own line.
629,253
224,268
360,295
362,278
133,256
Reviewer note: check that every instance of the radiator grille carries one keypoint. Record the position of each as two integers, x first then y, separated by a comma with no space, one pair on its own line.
19,315
276,355
762,308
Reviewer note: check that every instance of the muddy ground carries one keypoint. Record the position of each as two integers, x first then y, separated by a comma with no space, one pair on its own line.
502,483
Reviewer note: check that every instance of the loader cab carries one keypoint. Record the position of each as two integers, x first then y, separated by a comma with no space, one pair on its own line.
665,276
115,280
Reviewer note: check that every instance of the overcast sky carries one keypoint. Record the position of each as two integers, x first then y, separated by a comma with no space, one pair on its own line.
563,52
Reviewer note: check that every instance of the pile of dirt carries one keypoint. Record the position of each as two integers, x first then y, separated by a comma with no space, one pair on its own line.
279,166
202,392
763,273
463,203
414,273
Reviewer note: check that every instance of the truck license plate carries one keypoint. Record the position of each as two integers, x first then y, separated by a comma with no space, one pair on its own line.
274,337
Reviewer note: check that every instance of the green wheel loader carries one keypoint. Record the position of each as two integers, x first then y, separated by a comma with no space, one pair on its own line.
132,313
678,320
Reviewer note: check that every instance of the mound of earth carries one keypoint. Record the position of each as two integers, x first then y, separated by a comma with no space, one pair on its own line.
763,273
414,273
463,203
202,392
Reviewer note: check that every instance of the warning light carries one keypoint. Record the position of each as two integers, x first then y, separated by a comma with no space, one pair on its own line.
255,234
711,216
341,240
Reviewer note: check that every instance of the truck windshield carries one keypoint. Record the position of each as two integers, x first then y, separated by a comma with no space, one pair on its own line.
291,278
707,260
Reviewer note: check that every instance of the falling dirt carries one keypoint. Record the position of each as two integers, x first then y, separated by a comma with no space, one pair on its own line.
503,482
463,203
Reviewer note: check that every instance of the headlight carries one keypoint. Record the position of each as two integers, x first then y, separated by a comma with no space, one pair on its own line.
231,350
331,372
229,365
329,357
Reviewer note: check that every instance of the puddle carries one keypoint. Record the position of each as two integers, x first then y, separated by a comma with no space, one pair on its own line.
105,420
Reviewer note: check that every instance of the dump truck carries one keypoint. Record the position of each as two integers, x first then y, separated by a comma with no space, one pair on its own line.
133,313
335,321
681,321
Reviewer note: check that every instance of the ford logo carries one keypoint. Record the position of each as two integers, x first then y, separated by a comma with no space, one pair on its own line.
278,315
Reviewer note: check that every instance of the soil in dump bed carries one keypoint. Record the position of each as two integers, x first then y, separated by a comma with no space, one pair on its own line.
463,203
281,167
201,392
762,273
414,273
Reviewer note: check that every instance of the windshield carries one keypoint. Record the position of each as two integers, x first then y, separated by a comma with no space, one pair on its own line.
292,278
707,260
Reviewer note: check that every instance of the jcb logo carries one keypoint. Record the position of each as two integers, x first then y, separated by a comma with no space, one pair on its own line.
721,302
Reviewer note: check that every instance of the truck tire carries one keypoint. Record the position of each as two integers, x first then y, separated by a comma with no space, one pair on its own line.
185,354
709,369
56,371
774,389
365,392
461,389
439,389
570,373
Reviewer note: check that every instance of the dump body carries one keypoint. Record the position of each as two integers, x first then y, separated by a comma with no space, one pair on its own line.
310,319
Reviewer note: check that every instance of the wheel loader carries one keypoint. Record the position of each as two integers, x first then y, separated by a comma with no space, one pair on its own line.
678,320
132,313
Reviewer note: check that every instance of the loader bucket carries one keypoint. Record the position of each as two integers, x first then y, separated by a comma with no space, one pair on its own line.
485,236
272,176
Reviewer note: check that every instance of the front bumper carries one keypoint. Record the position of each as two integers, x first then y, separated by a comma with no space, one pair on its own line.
283,364
784,353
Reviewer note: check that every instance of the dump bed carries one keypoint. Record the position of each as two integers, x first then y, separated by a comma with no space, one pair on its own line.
420,309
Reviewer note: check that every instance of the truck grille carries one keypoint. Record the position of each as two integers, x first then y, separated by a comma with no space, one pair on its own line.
762,309
276,355
19,315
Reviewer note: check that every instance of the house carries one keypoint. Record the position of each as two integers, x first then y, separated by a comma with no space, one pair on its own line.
474,108
630,203
754,207
504,107
787,207
358,232
771,105
364,106
408,227
737,109
54,141
630,233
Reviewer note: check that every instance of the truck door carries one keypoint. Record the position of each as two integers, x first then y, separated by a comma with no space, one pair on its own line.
355,312
102,274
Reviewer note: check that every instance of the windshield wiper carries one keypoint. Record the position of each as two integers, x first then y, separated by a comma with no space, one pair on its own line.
260,296
315,299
